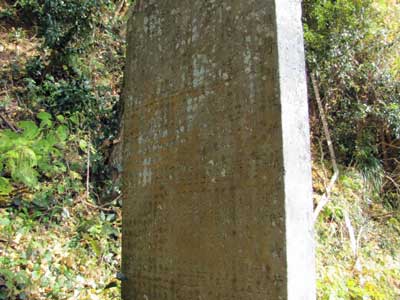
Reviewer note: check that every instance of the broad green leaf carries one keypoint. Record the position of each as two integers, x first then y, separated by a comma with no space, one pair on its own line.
51,139
27,156
20,163
9,134
6,143
31,131
4,221
45,119
96,247
75,175
74,119
5,186
60,118
61,167
10,163
60,188
83,145
26,175
62,132
43,116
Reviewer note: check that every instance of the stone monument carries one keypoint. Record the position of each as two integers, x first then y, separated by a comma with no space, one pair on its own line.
217,174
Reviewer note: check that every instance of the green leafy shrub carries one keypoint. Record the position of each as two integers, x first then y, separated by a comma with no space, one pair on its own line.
14,284
34,152
65,26
366,268
65,78
55,165
352,50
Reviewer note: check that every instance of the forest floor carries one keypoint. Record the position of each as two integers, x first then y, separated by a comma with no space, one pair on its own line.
68,250
358,240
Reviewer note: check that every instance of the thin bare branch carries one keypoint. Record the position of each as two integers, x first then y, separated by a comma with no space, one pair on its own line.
325,198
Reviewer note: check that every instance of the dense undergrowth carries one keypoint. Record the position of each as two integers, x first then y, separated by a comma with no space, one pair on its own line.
61,71
353,52
60,78
358,240
71,254
353,64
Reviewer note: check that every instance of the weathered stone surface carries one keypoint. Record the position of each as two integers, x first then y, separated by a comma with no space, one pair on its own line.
217,179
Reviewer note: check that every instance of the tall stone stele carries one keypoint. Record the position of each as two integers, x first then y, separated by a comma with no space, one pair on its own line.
217,175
